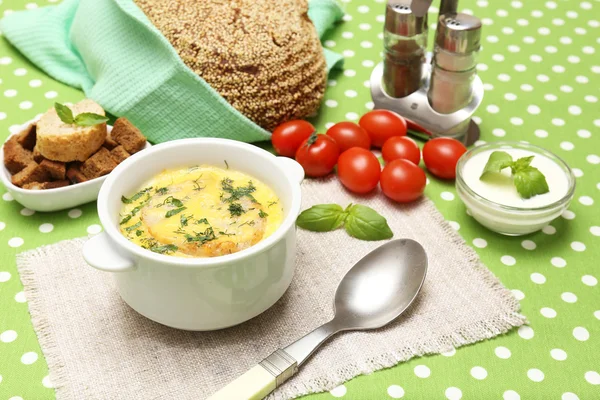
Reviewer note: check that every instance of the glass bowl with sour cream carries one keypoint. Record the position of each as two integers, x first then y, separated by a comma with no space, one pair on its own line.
496,203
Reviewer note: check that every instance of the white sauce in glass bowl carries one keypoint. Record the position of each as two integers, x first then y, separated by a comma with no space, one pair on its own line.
501,189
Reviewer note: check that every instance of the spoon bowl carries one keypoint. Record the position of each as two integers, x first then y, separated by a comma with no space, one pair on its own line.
376,290
380,286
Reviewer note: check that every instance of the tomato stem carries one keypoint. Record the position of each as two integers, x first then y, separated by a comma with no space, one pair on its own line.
312,139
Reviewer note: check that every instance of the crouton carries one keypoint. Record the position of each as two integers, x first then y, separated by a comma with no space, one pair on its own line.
31,173
99,164
12,140
37,156
59,141
56,184
127,135
16,158
74,173
33,186
55,169
119,154
27,137
46,185
110,143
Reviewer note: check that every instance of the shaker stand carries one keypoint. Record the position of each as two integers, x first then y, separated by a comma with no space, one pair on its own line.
416,108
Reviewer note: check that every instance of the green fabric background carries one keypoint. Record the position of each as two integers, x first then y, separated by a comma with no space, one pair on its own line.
125,64
541,68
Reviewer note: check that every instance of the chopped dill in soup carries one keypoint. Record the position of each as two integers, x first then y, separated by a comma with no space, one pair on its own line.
200,211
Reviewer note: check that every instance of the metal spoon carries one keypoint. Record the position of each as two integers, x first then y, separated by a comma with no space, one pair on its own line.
375,291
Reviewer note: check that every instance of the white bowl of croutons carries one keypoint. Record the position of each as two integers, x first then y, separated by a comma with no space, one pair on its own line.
43,184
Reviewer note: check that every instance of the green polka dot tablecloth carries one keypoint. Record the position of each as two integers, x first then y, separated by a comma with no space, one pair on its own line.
540,63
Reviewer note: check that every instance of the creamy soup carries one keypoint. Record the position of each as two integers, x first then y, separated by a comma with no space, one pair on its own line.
200,211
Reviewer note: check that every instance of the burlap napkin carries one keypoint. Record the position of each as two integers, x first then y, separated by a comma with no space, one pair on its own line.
98,348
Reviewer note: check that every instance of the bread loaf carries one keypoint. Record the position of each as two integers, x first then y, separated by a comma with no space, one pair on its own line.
263,57
59,141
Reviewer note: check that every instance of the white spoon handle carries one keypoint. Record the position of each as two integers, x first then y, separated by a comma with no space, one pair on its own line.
253,385
261,379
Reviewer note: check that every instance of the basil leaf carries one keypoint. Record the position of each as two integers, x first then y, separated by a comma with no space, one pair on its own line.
521,163
183,220
497,162
176,202
167,248
175,211
322,218
135,196
133,227
529,181
367,224
64,113
137,209
89,119
202,237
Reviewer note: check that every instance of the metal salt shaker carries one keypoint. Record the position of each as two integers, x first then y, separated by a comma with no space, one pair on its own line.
457,44
405,41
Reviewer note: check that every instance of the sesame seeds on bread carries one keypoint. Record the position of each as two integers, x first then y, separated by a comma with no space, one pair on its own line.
63,142
263,57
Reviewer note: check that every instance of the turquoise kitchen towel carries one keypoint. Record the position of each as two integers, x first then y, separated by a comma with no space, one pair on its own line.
119,59
324,14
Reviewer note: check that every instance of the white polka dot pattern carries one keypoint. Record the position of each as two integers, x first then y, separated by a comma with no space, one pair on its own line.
539,65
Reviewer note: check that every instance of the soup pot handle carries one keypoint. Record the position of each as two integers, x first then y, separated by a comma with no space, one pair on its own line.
100,253
292,168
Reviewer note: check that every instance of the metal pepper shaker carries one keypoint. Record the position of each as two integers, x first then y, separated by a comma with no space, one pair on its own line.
454,62
405,41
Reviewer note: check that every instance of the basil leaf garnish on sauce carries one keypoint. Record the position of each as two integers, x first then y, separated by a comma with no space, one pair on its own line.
528,180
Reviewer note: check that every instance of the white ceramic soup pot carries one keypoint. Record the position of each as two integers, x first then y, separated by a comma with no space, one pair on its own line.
198,293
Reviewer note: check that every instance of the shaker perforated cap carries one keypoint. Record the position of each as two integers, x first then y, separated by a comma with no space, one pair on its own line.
400,20
458,33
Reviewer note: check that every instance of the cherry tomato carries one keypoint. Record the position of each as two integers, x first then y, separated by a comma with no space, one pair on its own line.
318,155
348,134
401,147
441,155
288,136
359,170
413,126
402,181
382,125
